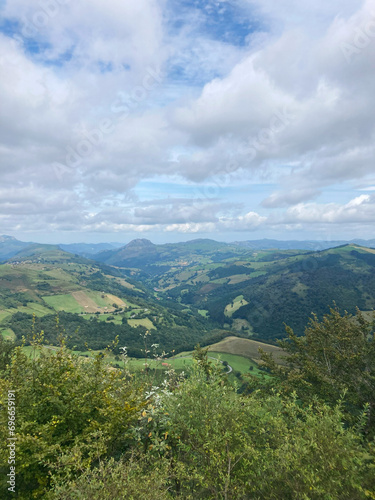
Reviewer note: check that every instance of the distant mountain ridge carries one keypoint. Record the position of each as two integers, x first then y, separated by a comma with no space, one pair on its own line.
315,245
10,246
142,251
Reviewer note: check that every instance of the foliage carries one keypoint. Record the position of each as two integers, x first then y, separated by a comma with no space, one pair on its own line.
335,357
123,480
85,431
64,405
6,350
227,447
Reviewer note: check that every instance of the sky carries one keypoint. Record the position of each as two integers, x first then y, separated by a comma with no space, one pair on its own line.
175,120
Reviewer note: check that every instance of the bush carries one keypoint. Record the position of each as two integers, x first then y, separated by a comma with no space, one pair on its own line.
63,403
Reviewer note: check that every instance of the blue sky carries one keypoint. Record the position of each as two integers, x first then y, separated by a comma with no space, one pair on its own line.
227,119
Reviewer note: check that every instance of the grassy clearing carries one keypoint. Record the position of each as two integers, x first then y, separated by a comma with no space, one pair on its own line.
141,322
203,312
87,301
220,281
8,334
165,364
238,363
113,299
242,325
202,278
236,304
35,308
238,278
122,281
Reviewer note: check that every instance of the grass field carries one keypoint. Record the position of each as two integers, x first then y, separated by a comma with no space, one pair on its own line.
246,348
238,278
238,363
238,302
83,301
8,334
4,315
203,312
35,308
141,322
64,302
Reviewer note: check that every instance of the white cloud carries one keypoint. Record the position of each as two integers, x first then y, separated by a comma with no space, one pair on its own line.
358,210
293,102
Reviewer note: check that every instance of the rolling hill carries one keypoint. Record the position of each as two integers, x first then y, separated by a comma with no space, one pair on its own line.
256,293
95,303
183,293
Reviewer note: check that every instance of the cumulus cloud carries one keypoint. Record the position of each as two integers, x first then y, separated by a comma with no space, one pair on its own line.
358,210
98,97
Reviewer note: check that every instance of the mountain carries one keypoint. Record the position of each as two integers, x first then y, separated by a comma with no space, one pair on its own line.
9,246
138,253
156,259
256,292
259,297
185,292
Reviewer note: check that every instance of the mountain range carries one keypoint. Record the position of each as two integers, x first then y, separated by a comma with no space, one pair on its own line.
117,253
183,293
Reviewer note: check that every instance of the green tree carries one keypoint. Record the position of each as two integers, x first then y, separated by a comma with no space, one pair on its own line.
336,356
6,350
224,446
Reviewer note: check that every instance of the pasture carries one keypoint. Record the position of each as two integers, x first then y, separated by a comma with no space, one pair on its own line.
141,322
246,348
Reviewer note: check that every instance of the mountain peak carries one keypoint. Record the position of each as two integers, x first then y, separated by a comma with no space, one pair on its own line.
140,243
5,237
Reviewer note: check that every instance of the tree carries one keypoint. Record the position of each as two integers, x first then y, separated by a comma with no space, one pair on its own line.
6,350
336,356
223,446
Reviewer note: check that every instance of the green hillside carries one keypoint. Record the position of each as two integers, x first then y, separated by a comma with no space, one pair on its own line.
274,287
95,303
183,293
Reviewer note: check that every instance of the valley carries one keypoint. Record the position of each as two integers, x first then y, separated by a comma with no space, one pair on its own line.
201,291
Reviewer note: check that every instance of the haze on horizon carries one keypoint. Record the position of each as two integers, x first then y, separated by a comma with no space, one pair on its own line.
222,119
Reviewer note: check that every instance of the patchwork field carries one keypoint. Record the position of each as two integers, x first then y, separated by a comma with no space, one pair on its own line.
84,302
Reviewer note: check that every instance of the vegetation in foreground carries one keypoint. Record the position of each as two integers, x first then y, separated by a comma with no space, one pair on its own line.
87,431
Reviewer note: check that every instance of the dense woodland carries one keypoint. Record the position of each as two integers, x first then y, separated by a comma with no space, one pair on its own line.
178,332
304,431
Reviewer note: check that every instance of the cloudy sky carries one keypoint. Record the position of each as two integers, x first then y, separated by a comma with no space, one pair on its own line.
179,119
